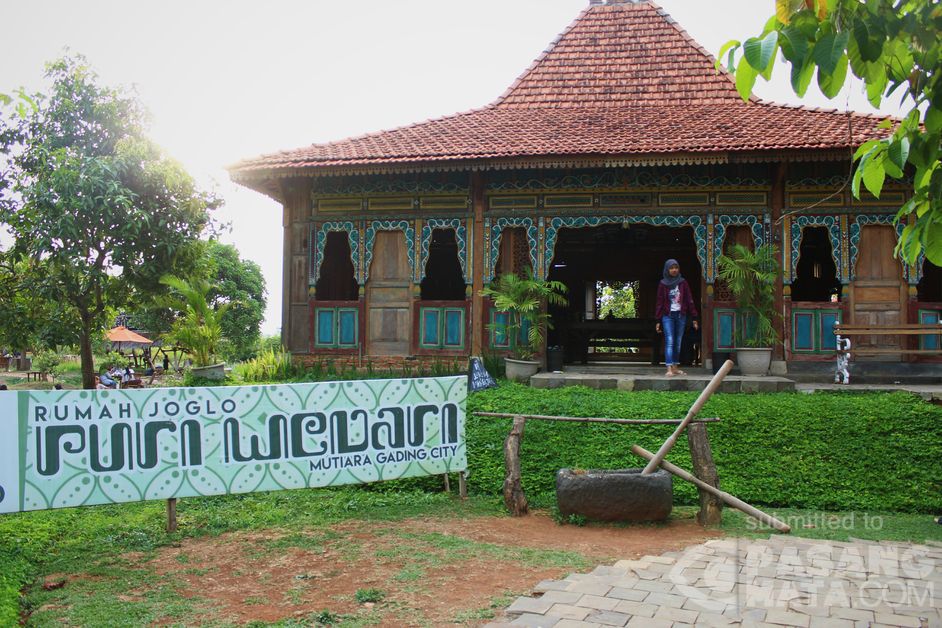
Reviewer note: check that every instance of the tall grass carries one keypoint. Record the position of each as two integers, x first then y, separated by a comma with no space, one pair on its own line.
269,365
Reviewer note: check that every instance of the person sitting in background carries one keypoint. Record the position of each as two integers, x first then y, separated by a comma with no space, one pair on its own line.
105,381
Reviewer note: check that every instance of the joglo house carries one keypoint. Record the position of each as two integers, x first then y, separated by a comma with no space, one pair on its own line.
619,147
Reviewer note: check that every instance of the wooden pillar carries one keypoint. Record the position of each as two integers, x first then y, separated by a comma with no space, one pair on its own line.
706,322
711,506
286,274
777,205
477,264
296,219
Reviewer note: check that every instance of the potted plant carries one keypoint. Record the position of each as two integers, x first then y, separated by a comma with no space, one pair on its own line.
751,277
199,329
522,298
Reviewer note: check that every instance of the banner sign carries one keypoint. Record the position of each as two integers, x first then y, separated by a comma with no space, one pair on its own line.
78,448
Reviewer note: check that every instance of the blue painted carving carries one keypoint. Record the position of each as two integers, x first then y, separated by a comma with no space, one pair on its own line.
876,219
581,222
461,237
497,229
719,236
833,224
320,239
388,225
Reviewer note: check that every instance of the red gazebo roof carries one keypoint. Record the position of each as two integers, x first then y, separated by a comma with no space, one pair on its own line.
622,81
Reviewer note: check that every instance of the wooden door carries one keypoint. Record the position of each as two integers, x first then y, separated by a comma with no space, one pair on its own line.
878,294
388,297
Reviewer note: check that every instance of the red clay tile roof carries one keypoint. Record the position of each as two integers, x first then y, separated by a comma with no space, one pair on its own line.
622,79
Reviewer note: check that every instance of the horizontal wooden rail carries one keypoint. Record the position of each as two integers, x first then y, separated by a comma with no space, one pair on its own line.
887,351
576,419
896,330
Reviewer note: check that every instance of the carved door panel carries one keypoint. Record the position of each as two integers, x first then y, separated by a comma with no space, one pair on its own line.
878,294
388,297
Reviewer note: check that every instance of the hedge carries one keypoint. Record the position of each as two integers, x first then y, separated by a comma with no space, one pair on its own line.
833,451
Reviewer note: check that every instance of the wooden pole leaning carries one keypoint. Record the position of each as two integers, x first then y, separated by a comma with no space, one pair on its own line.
735,502
694,409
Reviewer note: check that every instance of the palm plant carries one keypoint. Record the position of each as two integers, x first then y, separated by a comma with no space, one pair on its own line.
522,298
751,277
199,330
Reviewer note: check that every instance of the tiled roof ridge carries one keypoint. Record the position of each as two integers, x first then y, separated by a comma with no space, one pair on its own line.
720,68
539,60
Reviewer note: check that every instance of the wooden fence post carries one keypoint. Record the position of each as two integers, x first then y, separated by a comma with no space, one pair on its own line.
514,498
462,486
711,506
172,514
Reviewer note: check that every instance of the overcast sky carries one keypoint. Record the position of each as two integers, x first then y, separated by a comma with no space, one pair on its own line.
227,80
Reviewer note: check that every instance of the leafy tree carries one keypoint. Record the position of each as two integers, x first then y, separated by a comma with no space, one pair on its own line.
617,298
29,320
231,281
93,201
199,329
240,284
890,46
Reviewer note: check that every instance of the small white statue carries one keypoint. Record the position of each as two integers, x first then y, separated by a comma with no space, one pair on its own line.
842,373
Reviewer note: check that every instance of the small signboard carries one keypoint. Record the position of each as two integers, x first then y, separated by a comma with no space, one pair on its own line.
478,377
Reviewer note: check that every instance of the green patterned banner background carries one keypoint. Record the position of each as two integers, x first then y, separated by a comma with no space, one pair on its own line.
78,448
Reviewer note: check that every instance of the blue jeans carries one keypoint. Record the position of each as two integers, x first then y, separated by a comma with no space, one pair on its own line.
673,325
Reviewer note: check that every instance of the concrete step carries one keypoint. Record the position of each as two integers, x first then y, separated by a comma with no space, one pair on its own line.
689,382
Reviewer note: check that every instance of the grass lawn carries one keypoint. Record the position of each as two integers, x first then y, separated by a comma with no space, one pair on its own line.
108,554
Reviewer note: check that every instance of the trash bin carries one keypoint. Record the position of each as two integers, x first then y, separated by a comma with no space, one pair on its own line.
719,357
554,358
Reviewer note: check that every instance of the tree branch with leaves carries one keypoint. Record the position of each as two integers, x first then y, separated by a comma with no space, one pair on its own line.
894,48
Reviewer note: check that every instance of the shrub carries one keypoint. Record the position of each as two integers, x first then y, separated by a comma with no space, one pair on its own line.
270,365
836,451
111,360
48,362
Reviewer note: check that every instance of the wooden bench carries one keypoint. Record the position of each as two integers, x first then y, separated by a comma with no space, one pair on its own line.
840,329
39,376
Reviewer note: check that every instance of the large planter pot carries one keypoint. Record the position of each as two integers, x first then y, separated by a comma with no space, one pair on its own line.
213,371
617,495
520,370
754,361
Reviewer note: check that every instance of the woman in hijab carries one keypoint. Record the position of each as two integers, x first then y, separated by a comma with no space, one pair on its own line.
674,306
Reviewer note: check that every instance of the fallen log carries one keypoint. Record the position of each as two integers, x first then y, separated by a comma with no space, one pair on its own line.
735,502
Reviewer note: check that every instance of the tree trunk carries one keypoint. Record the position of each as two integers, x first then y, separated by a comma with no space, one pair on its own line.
85,351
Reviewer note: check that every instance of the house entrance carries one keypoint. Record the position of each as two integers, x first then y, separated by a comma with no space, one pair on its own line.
612,272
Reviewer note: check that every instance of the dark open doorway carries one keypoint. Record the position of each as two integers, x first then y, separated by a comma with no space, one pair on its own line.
816,274
612,273
929,289
444,280
337,281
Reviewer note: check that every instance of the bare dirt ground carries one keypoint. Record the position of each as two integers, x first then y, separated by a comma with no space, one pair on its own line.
428,571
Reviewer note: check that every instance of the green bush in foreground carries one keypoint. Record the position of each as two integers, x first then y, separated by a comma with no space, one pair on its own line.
837,451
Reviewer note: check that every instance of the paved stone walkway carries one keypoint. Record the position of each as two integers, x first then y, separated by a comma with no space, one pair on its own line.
779,581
